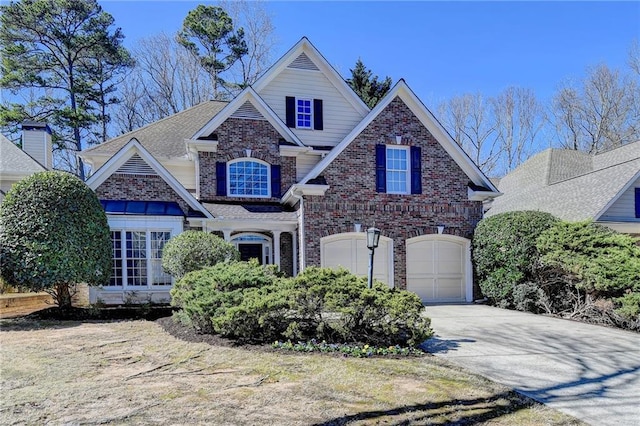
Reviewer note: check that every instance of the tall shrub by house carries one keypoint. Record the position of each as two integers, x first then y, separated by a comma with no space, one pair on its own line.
54,235
194,250
505,253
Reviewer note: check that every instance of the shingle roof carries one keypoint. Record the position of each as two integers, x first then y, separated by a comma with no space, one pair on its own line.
164,138
14,161
569,186
238,212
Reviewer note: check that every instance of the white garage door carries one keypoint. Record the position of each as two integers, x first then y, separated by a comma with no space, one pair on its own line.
439,268
350,251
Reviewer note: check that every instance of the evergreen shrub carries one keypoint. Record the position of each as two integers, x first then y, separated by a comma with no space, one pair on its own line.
193,250
505,254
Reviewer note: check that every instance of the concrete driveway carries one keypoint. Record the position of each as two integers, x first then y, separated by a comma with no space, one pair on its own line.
587,371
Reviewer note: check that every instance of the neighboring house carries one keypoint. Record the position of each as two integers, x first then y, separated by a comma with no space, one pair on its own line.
574,186
292,171
16,164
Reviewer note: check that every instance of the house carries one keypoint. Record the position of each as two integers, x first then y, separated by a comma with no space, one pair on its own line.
575,186
36,155
292,171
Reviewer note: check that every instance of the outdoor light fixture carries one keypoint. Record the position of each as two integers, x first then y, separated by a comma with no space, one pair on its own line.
373,238
440,229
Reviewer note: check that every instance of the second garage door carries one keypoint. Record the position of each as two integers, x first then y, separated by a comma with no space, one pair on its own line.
439,268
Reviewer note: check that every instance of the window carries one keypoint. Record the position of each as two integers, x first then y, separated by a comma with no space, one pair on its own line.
142,255
303,113
397,168
248,178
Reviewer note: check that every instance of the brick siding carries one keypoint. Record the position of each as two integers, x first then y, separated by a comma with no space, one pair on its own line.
352,196
234,137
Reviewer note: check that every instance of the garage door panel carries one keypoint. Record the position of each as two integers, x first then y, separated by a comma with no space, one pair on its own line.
350,251
436,267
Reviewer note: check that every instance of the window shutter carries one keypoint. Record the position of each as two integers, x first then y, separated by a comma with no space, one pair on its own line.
275,181
416,170
317,114
638,202
291,111
381,168
221,178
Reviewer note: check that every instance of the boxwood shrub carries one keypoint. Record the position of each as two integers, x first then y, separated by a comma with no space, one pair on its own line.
193,250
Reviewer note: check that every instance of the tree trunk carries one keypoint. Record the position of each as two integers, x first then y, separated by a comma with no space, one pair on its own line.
63,296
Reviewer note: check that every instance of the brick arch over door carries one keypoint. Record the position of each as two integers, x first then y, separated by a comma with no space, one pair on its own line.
439,268
350,251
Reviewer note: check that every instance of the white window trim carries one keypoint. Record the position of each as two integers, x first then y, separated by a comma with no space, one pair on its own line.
407,149
253,160
310,115
145,224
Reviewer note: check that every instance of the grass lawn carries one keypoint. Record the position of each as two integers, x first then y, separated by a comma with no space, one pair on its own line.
135,373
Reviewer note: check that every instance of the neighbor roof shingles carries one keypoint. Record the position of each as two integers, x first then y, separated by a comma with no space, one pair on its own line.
164,138
13,160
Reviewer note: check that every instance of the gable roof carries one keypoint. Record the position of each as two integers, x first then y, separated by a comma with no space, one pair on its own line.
305,52
132,148
572,186
402,91
15,162
163,138
248,95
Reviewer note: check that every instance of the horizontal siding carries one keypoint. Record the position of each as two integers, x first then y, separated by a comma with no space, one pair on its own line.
186,175
304,164
624,207
339,115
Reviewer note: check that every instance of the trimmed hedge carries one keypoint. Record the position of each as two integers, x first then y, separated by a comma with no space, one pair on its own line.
505,254
54,235
324,304
194,250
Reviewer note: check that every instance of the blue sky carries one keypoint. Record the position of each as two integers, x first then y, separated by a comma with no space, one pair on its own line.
441,49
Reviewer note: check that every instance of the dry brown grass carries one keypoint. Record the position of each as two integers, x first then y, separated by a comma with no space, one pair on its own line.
134,373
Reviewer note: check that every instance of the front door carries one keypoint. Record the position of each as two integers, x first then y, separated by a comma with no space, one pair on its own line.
250,251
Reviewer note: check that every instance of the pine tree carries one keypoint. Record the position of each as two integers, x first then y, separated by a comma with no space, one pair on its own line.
367,86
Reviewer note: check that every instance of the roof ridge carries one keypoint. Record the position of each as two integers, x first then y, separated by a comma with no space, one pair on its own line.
156,122
596,170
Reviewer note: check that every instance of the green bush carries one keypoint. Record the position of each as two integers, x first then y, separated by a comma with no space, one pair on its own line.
207,293
599,260
505,254
54,235
324,304
193,250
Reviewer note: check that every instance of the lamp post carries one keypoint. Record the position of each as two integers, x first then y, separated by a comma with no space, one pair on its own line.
373,238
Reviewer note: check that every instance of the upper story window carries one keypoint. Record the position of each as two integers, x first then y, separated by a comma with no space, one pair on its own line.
303,113
248,178
397,167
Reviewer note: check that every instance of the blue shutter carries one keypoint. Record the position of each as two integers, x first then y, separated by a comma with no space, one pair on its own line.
638,202
221,178
276,181
317,114
381,168
291,111
416,170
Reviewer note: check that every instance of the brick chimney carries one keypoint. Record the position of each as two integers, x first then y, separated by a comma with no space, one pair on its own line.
36,141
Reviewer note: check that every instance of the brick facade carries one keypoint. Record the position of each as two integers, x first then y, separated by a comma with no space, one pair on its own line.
234,137
139,188
352,196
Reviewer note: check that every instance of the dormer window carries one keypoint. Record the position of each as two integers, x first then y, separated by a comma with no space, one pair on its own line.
303,113
248,178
